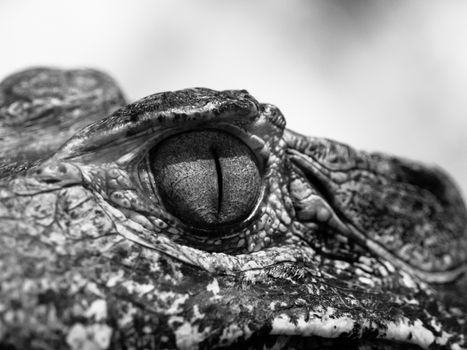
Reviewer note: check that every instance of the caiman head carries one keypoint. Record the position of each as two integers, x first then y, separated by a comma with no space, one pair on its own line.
195,220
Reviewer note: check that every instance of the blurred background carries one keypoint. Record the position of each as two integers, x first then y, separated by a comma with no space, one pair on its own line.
380,75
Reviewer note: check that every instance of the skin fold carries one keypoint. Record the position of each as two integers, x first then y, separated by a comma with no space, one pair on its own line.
194,219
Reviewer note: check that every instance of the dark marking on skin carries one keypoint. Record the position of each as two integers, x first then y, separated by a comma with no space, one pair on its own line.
133,118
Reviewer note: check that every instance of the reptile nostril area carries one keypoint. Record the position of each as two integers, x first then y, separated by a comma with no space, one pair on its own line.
206,178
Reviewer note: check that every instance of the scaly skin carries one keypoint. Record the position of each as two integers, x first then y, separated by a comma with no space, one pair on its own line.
339,248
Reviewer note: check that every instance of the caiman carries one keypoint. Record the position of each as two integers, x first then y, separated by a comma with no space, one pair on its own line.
194,219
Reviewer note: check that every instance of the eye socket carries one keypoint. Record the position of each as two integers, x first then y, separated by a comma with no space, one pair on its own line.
207,178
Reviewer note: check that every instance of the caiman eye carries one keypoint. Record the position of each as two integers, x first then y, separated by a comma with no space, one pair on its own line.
206,178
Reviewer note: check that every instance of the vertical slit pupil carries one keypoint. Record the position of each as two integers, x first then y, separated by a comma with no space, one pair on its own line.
220,184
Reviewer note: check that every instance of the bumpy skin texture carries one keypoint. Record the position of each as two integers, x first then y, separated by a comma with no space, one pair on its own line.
342,248
41,108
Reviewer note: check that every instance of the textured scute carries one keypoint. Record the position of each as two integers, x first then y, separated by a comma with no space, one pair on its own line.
413,211
318,343
40,108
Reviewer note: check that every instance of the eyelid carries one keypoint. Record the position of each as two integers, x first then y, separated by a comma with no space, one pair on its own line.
160,112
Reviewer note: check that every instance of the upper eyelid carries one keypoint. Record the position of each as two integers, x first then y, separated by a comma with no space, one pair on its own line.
144,117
